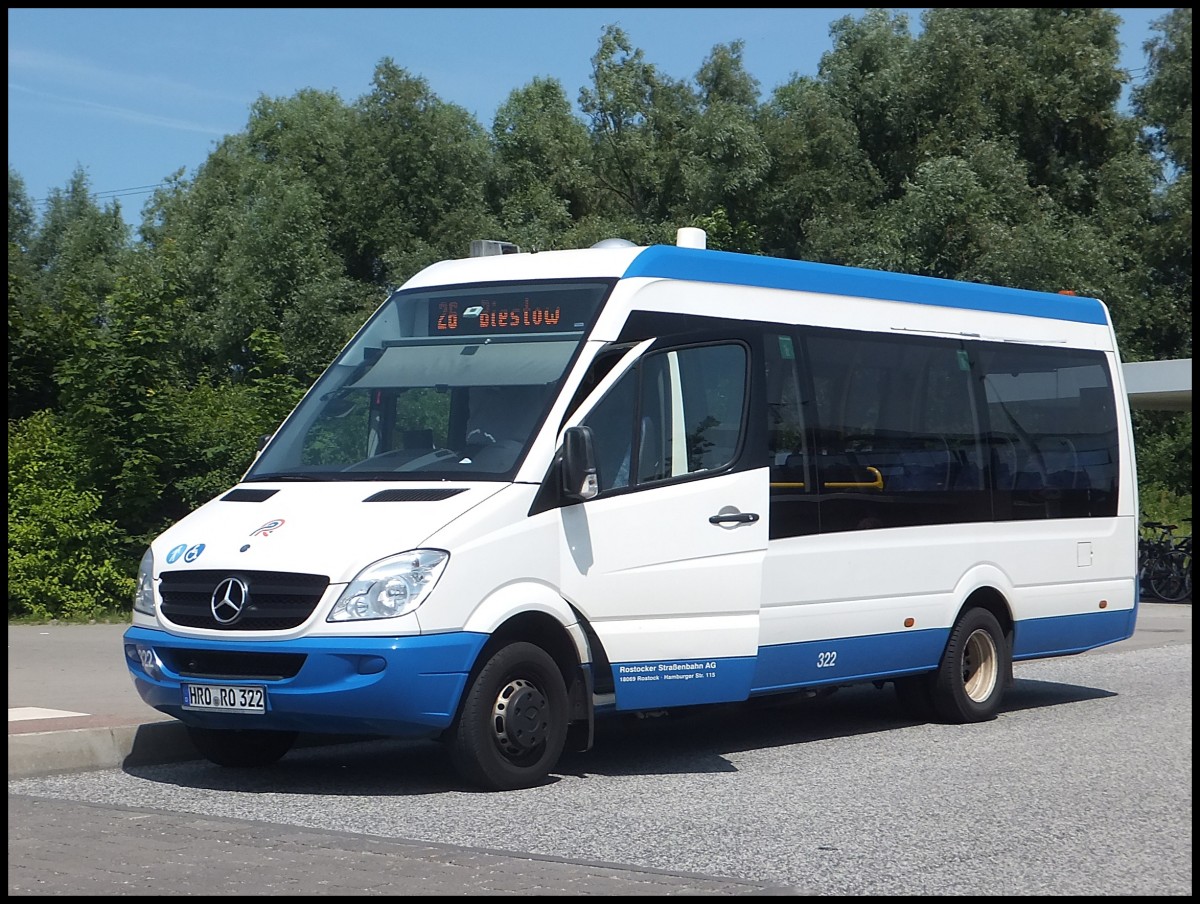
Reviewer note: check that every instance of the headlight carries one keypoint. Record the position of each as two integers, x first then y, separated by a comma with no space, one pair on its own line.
390,588
143,595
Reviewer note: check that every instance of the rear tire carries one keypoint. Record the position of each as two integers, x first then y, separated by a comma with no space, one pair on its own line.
241,748
513,723
969,683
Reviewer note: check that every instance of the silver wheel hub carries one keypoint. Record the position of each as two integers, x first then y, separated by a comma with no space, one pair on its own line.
519,717
981,666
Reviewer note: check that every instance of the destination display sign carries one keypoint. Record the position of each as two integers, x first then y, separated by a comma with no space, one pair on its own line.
474,314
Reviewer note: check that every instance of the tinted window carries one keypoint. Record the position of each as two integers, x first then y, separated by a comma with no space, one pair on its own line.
872,430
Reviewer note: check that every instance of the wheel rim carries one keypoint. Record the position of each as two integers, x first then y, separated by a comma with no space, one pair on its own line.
519,718
981,664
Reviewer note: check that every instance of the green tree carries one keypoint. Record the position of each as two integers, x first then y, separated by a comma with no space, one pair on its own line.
250,246
214,429
421,168
21,218
869,76
637,122
61,271
162,439
821,180
77,250
1046,79
1163,106
541,182
990,148
107,383
1164,99
725,159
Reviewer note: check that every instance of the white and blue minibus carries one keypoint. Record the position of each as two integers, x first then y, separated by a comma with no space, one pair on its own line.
538,488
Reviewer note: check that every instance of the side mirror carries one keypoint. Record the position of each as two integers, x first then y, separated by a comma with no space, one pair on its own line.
263,440
579,479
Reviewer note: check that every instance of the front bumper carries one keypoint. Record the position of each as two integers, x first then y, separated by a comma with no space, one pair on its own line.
406,687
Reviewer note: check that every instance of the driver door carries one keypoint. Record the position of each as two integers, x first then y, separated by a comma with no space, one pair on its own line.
666,561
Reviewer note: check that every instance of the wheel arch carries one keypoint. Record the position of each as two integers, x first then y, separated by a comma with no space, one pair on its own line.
538,628
535,613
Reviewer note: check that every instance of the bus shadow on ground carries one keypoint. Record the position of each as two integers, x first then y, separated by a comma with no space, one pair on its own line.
1028,693
686,741
700,742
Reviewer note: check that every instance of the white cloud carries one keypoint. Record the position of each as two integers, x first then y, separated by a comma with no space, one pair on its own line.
80,75
123,114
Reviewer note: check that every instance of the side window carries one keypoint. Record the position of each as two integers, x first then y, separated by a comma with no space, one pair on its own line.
677,413
897,432
1052,429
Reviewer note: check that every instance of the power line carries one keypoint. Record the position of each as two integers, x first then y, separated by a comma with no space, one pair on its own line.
118,192
111,194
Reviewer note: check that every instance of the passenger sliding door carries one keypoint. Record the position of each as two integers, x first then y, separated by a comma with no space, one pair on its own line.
666,561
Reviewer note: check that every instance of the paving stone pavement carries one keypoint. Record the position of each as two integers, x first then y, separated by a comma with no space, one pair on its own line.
62,847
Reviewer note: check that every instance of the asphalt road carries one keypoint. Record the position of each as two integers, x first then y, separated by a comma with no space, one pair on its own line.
1081,786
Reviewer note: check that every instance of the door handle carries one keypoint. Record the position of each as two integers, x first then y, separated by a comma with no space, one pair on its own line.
733,518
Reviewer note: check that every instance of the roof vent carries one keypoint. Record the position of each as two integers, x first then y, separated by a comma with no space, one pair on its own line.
691,237
614,243
488,247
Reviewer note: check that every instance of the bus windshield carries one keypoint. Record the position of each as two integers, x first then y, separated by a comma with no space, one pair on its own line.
444,383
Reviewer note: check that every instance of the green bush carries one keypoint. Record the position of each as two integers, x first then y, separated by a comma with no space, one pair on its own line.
1163,504
1163,442
63,562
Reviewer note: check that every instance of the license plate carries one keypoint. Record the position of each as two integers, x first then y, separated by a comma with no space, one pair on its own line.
225,698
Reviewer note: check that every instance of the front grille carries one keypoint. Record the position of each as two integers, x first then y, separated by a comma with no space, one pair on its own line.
220,664
277,600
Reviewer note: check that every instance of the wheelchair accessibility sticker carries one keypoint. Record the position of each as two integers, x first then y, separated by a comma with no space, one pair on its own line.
187,553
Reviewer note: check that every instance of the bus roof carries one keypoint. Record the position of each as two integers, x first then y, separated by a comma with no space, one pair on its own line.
669,262
702,265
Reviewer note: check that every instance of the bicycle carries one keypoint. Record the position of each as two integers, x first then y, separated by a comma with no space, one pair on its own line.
1185,547
1165,562
1150,549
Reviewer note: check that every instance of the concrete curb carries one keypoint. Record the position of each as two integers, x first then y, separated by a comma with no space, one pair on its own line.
40,753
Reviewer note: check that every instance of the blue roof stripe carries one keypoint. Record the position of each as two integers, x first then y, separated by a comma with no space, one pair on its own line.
670,262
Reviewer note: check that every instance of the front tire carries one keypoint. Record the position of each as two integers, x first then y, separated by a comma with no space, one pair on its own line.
969,683
241,748
513,723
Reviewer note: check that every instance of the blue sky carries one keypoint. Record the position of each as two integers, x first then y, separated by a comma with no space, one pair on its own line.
132,95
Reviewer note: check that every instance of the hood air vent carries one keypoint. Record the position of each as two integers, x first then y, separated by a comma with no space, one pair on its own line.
248,495
413,495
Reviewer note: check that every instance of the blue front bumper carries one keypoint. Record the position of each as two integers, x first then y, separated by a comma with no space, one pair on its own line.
395,686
